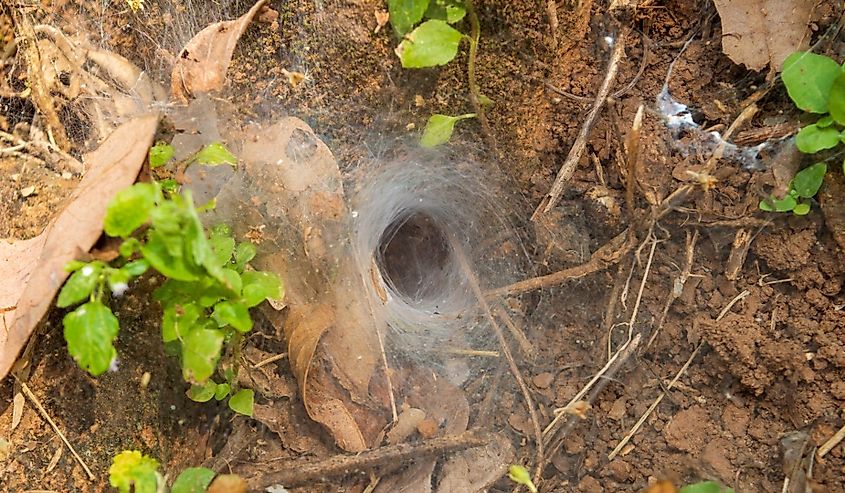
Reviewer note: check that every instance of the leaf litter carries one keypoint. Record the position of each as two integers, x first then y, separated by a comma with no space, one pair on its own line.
336,382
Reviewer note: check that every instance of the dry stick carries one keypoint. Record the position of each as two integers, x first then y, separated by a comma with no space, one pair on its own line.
832,442
577,149
671,384
503,343
295,472
40,92
678,285
524,344
609,254
56,429
651,408
559,434
612,365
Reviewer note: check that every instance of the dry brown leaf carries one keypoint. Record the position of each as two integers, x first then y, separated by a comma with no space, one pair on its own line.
202,64
17,409
290,181
476,469
39,272
757,33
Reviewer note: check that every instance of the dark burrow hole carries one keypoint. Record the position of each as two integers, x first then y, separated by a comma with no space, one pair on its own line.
415,258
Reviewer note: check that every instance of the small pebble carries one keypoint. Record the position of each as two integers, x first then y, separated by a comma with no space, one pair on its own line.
145,379
26,192
67,175
543,380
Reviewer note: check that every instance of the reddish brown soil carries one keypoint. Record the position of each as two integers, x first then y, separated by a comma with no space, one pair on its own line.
774,364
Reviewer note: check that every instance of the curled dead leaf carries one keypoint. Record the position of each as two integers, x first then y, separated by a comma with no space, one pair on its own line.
202,64
757,33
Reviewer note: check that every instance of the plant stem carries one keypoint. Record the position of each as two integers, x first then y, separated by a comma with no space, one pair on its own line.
474,92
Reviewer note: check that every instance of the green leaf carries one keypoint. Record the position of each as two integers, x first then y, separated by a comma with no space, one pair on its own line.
214,154
244,253
801,209
129,209
808,79
259,286
836,99
825,121
808,181
232,280
450,11
193,480
439,129
222,244
200,352
130,468
136,268
165,252
405,14
520,475
232,313
90,331
433,43
74,265
160,154
203,392
169,185
242,402
812,138
80,285
774,204
222,391
129,247
705,487
178,320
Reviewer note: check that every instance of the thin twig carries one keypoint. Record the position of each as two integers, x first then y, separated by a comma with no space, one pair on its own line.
268,360
295,472
677,285
56,429
671,384
580,144
652,407
524,344
40,92
831,442
556,438
604,257
503,343
620,356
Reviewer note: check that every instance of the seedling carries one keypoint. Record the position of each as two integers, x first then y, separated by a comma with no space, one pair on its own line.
131,468
205,300
432,43
520,475
816,84
803,187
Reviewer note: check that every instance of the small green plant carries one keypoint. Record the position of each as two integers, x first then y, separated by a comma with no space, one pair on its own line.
434,42
803,187
705,487
816,84
206,298
520,475
130,469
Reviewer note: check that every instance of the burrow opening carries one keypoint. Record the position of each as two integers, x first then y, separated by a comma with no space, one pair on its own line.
415,258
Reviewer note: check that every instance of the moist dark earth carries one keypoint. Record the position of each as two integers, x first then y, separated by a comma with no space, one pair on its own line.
771,365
